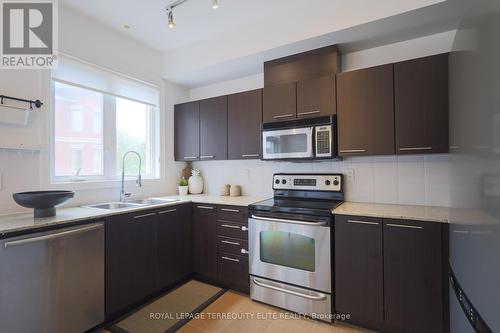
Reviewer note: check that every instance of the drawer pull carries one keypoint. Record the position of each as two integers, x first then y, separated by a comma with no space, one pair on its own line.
205,207
190,157
243,251
415,148
250,155
362,222
168,211
229,226
230,210
207,157
353,151
404,226
315,297
307,113
144,215
230,259
280,116
229,242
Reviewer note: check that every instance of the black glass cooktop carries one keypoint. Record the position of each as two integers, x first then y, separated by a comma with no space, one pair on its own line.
297,206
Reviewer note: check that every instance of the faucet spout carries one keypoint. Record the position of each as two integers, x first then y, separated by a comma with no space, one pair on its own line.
123,194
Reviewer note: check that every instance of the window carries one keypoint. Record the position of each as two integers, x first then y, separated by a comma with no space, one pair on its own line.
94,124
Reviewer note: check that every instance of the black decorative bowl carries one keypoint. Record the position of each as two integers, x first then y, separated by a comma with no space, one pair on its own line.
44,202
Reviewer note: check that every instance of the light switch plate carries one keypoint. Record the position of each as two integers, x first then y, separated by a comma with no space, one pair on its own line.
349,173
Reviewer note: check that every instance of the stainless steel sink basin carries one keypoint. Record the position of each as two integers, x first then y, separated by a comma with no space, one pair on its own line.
152,201
115,205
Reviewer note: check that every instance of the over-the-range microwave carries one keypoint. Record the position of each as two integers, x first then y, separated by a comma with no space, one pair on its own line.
302,139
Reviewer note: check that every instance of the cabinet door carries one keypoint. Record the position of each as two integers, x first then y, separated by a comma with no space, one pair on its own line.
244,120
174,244
365,112
421,101
280,102
233,272
413,279
205,241
130,260
316,97
187,131
359,268
213,128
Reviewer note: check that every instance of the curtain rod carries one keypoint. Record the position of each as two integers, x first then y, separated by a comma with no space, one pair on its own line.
37,103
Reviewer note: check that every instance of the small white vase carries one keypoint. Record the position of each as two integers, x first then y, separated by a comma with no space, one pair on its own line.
195,182
183,190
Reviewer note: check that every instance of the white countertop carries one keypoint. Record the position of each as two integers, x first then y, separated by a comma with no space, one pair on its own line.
24,221
405,212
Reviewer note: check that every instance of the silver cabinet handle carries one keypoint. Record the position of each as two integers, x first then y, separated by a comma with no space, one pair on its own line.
316,297
230,226
353,151
230,210
244,228
415,148
205,207
404,226
52,236
280,116
243,251
144,215
190,157
230,259
229,242
272,219
250,155
207,157
362,222
168,211
308,112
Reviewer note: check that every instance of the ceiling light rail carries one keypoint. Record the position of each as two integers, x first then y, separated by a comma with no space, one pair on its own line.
170,10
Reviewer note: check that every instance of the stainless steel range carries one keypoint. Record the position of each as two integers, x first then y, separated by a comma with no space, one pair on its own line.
290,243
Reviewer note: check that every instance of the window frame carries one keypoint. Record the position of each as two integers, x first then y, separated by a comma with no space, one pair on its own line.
108,124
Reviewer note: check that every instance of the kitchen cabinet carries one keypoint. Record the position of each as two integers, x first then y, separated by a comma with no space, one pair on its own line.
213,128
365,111
316,97
421,105
358,279
205,241
280,102
130,260
187,131
173,237
244,112
414,288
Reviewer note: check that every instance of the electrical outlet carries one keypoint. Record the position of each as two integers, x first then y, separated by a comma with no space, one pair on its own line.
349,173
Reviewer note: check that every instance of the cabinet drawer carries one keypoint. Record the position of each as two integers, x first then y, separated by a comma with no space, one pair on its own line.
232,230
233,246
233,272
233,213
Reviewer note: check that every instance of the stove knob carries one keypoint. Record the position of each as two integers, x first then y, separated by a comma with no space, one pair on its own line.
277,181
335,182
327,182
283,181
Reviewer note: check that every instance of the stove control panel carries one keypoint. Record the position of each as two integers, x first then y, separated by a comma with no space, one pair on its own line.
308,182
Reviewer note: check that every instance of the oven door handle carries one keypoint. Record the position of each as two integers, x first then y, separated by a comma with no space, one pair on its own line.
272,219
317,297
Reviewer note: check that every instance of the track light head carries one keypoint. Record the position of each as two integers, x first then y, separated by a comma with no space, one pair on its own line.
170,15
215,4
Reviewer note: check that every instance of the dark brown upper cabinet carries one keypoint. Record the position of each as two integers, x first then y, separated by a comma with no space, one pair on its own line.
365,111
244,116
187,131
280,102
213,128
316,97
421,105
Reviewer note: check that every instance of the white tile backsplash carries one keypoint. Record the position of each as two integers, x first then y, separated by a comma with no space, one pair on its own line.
414,179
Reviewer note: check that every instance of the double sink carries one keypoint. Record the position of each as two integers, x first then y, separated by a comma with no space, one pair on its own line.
131,204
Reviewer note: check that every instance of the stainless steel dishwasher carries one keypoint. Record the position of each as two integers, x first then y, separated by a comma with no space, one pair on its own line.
53,281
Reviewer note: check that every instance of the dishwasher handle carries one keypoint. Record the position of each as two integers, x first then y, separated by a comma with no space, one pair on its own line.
52,236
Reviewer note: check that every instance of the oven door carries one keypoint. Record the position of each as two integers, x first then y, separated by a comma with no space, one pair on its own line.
288,143
292,251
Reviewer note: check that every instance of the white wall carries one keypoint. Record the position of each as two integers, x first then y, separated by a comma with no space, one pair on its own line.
418,179
22,170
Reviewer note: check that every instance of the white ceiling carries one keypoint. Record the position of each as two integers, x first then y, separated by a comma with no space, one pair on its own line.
210,45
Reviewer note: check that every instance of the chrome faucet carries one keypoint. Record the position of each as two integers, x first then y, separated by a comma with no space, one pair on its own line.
124,195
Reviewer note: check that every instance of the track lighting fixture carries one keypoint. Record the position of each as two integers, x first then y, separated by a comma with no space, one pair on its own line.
170,15
170,10
215,4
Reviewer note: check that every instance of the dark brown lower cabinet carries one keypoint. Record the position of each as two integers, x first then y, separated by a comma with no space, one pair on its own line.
233,271
415,292
173,236
358,268
205,241
130,260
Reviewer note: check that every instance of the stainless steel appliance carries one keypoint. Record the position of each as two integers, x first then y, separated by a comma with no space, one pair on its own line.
53,281
300,139
290,243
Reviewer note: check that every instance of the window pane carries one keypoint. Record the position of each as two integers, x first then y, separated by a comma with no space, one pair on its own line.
133,132
78,141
